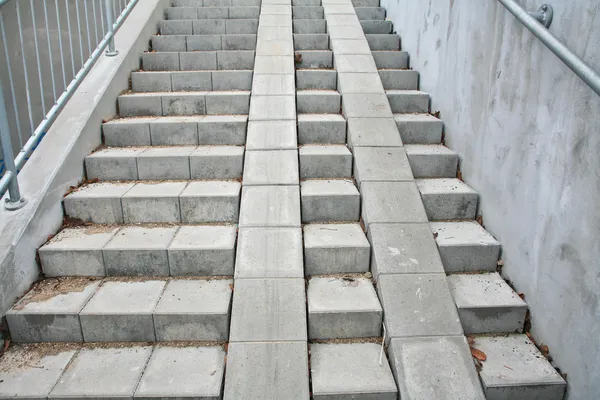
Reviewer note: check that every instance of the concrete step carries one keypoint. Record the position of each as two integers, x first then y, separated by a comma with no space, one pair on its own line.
198,60
306,3
207,42
335,249
408,101
516,369
344,307
184,103
381,27
486,304
329,200
311,41
370,13
351,371
318,101
215,3
448,199
112,371
316,79
381,164
431,160
365,3
325,161
208,26
419,128
162,202
321,129
389,42
466,246
165,131
191,81
307,12
309,26
273,167
174,162
319,59
399,79
390,59
224,12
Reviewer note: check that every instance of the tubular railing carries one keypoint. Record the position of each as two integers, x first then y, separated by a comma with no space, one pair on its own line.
47,48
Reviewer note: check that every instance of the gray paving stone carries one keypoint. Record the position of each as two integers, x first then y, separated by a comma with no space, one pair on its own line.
277,206
222,129
163,61
272,84
181,27
377,27
432,161
399,79
241,26
383,42
318,101
434,368
272,108
390,59
359,82
232,80
339,9
31,381
99,202
365,3
115,371
486,304
212,12
140,105
275,47
276,10
515,369
325,161
448,199
208,27
320,59
316,79
194,310
199,60
267,371
244,12
51,317
329,200
138,250
418,305
217,162
237,59
307,12
309,26
239,41
153,202
370,13
202,251
419,128
127,132
174,131
272,135
273,64
276,167
381,164
164,163
204,43
341,19
269,253
151,81
191,80
169,43
403,249
321,128
466,246
389,202
355,63
184,103
76,252
351,46
342,308
408,101
278,33
311,41
210,201
306,3
369,105
183,13
268,310
351,371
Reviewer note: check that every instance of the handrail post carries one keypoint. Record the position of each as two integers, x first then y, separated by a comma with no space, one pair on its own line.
110,27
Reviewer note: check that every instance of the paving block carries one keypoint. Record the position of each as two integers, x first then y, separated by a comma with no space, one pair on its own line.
151,81
121,312
198,60
244,12
318,101
268,310
241,26
275,33
408,101
340,308
181,27
191,80
389,42
399,79
325,161
387,202
377,27
204,43
350,46
309,26
103,373
170,43
381,164
355,63
350,31
276,9
127,132
307,12
515,369
208,27
164,163
329,200
202,251
365,105
269,253
432,161
184,103
217,162
99,203
342,19
359,82
232,80
212,13
321,129
322,79
335,249
434,368
466,246
373,132
448,199
273,84
49,312
365,3
403,249
272,135
419,128
270,206
174,131
140,105
222,129
351,370
390,59
27,381
76,252
272,108
306,3
311,41
338,9
418,305
486,304
239,41
267,370
276,47
160,61
274,64
152,202
194,310
184,13
275,167
320,59
210,201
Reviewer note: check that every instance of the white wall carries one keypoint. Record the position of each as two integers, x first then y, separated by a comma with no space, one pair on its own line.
528,133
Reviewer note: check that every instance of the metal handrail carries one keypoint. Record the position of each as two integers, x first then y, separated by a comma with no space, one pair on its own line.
572,60
9,181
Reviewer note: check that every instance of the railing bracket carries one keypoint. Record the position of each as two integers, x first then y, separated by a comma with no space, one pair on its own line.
544,14
13,206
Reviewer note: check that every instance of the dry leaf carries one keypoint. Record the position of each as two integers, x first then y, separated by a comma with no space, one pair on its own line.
470,340
231,286
521,295
435,235
544,349
479,220
478,354
459,175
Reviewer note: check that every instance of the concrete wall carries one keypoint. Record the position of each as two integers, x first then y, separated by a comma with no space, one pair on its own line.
528,133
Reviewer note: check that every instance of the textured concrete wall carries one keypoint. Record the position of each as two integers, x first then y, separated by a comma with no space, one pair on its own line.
528,133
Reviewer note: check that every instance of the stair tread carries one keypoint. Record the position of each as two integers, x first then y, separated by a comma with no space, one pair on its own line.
444,186
428,149
483,291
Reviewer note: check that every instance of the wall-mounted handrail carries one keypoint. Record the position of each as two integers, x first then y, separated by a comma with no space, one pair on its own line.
572,60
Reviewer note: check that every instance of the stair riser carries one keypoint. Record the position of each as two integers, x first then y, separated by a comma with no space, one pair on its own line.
146,82
469,258
450,206
307,26
314,166
383,42
209,27
330,208
399,79
390,59
370,13
197,61
318,131
315,103
215,3
204,42
311,41
377,27
301,12
185,105
492,320
324,261
433,166
408,103
420,132
344,325
241,12
320,59
316,80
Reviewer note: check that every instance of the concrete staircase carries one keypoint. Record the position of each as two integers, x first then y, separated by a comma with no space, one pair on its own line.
272,204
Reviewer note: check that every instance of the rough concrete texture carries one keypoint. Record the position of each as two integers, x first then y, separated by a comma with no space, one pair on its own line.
431,161
210,201
351,371
448,199
279,167
381,164
329,200
270,206
325,161
153,202
321,128
99,202
373,132
419,128
272,135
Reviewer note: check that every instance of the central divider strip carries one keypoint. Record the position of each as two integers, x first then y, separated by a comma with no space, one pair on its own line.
268,355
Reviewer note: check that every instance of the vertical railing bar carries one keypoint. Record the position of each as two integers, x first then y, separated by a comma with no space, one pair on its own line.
37,56
26,74
79,31
110,25
11,81
70,38
102,20
95,16
60,44
14,200
50,51
87,26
